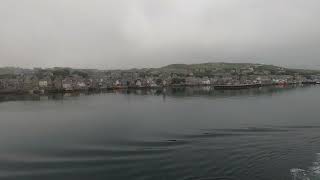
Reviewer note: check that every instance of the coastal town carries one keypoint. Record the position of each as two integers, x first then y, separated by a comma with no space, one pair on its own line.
218,75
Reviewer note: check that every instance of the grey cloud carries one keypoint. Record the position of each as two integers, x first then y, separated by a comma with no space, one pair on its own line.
144,33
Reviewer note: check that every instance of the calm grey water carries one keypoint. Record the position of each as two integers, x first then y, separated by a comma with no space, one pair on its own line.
178,134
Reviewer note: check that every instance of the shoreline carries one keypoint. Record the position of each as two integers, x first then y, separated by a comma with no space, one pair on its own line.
97,90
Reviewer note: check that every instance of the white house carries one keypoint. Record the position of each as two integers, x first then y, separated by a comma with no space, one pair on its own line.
67,87
164,83
205,81
43,83
81,85
117,83
138,83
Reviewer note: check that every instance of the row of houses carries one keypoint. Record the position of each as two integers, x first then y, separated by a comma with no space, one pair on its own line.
113,80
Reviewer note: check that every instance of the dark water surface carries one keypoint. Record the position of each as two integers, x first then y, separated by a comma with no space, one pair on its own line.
179,134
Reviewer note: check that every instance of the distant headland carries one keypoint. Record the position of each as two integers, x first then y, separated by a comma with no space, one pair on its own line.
218,75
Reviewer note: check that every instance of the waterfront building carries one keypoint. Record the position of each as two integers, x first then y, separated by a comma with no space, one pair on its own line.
138,83
43,84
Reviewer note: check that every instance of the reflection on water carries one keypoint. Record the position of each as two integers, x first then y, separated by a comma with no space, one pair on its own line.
205,91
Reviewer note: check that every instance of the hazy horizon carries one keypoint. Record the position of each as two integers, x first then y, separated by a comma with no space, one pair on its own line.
122,34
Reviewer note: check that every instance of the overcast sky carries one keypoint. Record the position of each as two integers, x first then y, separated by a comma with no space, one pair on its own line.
109,34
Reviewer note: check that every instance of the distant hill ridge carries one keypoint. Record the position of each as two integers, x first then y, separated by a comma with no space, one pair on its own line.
210,65
223,66
201,69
